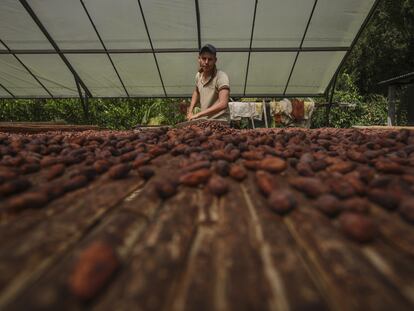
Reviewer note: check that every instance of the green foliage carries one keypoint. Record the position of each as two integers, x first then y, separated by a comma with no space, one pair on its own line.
107,113
356,109
386,47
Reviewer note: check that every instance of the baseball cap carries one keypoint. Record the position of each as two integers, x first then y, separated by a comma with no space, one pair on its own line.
208,48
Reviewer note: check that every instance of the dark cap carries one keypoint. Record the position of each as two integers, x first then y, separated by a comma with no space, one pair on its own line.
208,48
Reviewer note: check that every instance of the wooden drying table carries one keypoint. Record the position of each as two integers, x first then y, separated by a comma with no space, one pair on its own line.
199,252
40,127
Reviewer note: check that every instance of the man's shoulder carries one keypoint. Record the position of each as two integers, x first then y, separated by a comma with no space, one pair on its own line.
221,73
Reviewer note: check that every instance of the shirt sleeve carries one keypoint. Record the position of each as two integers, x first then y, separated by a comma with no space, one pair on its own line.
223,81
196,80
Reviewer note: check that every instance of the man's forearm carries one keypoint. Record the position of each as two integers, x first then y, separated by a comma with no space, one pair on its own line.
215,108
194,100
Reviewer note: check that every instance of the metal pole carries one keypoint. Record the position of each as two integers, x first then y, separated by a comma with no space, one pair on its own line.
197,6
177,50
152,47
27,69
329,106
361,29
3,87
391,105
104,46
53,43
250,48
301,44
82,101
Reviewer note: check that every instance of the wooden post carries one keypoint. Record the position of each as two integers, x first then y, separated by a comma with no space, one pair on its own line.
391,105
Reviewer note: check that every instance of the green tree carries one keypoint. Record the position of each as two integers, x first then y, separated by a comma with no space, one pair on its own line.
386,47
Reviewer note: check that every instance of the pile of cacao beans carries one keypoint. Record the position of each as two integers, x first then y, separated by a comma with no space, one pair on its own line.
342,173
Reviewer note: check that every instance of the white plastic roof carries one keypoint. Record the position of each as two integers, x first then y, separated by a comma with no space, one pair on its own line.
149,48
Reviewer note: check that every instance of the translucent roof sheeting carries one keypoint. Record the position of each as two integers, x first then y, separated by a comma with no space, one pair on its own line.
149,48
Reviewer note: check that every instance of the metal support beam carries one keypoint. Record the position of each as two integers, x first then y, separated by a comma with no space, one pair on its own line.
152,47
4,88
250,48
197,7
391,105
103,45
83,101
329,106
28,70
256,95
301,44
179,50
33,15
361,29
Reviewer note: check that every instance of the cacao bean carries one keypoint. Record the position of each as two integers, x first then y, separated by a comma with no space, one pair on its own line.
273,165
237,172
406,210
266,182
218,185
358,227
312,187
93,270
328,204
195,178
281,201
146,172
75,183
119,171
55,171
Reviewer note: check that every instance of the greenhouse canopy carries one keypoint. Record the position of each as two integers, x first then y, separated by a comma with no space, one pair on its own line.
149,48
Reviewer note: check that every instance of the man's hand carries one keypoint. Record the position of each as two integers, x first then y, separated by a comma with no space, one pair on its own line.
189,115
193,116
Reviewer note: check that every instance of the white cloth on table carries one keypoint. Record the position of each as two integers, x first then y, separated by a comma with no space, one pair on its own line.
240,110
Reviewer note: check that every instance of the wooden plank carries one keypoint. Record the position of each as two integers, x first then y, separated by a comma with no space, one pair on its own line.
383,127
223,262
157,259
28,255
301,290
396,268
348,279
395,230
121,229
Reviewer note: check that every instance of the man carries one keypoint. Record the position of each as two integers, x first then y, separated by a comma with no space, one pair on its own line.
212,88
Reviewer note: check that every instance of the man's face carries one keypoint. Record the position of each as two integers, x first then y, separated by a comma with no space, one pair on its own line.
207,61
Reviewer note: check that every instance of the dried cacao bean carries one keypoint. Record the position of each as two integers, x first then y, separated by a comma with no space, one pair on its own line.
218,185
146,172
406,210
119,171
75,183
237,172
14,186
92,270
266,182
273,165
281,201
165,188
222,167
383,198
55,171
358,227
195,178
389,167
27,200
328,204
312,187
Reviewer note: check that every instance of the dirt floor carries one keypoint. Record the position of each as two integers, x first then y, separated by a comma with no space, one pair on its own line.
205,217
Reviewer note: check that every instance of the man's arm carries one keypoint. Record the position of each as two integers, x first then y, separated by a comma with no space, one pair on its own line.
221,104
194,101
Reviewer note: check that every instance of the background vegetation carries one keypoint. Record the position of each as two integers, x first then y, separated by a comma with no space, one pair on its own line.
385,50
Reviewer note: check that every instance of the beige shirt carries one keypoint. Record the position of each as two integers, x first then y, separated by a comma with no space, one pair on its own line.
209,89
